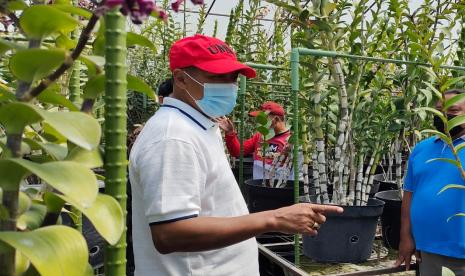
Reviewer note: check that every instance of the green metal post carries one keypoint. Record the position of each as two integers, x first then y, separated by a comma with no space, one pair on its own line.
243,85
295,134
115,130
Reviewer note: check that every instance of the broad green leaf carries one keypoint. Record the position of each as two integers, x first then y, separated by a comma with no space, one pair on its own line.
32,218
262,118
6,95
91,159
96,85
52,135
40,21
434,111
22,263
65,42
34,64
73,10
456,121
106,215
263,130
16,5
94,64
451,82
454,100
24,203
79,128
138,85
53,250
53,202
52,95
451,186
72,179
56,151
6,45
456,215
451,161
137,39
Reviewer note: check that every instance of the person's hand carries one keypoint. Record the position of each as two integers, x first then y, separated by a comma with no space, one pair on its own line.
226,125
302,218
406,250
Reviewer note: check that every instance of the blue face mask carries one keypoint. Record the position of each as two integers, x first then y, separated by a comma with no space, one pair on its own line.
219,99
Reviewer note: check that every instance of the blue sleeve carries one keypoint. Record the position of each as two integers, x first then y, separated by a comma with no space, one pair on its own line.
409,180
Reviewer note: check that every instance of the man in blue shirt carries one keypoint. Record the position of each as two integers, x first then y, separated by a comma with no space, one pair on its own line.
426,229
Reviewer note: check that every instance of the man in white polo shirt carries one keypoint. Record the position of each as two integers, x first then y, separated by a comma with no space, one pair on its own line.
189,217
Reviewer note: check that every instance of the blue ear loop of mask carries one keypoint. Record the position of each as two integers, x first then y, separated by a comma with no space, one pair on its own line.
219,99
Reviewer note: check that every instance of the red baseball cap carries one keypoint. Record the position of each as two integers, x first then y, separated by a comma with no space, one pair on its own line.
272,107
208,54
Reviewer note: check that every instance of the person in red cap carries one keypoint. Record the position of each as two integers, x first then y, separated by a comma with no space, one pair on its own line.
275,145
188,214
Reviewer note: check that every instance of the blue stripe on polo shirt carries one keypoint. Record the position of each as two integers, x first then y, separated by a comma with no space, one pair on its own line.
429,211
186,114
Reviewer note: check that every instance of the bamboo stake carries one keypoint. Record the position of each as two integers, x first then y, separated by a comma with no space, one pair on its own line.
358,188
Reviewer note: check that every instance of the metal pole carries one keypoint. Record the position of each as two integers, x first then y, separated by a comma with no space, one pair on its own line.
295,134
269,83
243,85
323,53
265,66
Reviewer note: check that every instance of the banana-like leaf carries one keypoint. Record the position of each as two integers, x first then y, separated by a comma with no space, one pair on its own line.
106,215
451,186
456,121
79,128
456,215
72,179
53,250
39,21
454,100
34,64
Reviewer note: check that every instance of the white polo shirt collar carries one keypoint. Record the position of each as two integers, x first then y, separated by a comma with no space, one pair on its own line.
198,118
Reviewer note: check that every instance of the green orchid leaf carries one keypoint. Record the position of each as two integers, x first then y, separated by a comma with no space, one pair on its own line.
454,100
65,42
90,159
137,39
52,95
6,45
53,250
450,161
460,147
25,148
451,186
79,128
456,121
24,203
6,95
56,151
437,133
53,202
263,130
72,179
106,215
448,84
34,64
32,218
22,263
262,118
73,10
16,5
40,21
94,64
456,215
434,111
138,85
96,85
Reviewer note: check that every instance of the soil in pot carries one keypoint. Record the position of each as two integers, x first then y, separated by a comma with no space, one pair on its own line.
390,219
346,237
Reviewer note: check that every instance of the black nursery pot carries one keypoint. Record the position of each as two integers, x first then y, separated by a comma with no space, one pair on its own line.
261,198
346,237
390,219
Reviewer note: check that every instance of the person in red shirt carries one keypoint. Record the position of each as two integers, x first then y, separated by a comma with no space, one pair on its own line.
276,145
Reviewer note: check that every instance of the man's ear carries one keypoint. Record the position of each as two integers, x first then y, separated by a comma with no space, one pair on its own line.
179,78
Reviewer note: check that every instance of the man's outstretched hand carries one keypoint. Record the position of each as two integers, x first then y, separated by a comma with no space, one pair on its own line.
226,125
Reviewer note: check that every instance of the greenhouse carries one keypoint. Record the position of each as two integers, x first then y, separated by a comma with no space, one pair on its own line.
242,138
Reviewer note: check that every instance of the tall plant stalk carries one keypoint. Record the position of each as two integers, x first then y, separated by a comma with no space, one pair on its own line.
115,129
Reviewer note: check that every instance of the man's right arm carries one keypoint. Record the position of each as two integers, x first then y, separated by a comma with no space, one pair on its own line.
234,146
407,243
208,233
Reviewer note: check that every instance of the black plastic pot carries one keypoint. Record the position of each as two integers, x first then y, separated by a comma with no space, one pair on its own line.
380,183
346,237
248,169
390,219
261,198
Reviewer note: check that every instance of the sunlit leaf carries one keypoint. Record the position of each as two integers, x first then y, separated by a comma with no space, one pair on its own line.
53,250
138,85
73,10
39,21
451,82
454,100
137,39
91,159
52,95
56,151
34,64
94,64
106,215
456,121
32,218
